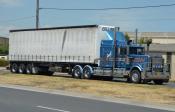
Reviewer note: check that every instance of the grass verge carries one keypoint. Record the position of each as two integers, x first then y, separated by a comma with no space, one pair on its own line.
139,92
3,63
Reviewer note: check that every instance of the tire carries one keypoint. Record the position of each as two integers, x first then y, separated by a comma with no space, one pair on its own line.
135,76
22,69
158,82
29,69
128,79
87,72
77,72
14,68
146,81
35,70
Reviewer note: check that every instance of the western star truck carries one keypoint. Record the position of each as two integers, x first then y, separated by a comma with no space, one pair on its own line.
83,52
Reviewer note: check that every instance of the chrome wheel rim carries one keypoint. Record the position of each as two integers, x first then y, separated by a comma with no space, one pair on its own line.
34,70
21,68
14,68
86,74
77,73
135,77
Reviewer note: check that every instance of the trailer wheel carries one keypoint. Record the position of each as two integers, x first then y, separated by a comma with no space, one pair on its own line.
35,70
87,72
22,69
14,68
29,69
135,76
159,82
77,72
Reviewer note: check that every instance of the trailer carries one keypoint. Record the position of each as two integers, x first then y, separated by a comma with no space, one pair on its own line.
83,52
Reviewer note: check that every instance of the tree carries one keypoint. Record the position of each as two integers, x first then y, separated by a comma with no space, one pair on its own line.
142,40
4,50
127,37
147,41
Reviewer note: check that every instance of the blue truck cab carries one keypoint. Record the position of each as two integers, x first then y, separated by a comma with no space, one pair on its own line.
130,61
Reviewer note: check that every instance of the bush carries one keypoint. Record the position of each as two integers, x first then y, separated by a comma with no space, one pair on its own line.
3,63
4,50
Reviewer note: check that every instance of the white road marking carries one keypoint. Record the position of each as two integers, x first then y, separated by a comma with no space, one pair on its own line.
54,109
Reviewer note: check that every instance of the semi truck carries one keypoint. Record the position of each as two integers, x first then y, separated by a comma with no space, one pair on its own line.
84,52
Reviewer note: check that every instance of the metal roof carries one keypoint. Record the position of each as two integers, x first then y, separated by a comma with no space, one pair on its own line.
51,28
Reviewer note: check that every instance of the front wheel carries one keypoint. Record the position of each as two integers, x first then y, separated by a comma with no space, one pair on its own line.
159,82
135,76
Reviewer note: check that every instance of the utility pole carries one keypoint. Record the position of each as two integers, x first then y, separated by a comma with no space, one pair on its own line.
37,14
136,35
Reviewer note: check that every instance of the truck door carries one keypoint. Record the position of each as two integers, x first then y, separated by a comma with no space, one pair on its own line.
121,55
106,56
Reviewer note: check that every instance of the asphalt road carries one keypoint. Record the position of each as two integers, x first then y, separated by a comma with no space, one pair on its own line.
14,100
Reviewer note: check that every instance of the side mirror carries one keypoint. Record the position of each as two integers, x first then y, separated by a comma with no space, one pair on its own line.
129,42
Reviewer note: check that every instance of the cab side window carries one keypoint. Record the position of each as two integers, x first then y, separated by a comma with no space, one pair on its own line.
132,50
123,51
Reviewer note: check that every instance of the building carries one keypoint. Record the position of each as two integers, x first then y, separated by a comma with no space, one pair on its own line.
157,37
168,52
163,43
4,43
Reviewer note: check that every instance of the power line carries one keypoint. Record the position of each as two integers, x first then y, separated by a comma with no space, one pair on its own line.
114,8
118,19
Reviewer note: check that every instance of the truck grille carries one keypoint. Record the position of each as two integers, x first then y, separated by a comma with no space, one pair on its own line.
157,64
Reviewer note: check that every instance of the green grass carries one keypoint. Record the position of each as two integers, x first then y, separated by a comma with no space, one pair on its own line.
3,63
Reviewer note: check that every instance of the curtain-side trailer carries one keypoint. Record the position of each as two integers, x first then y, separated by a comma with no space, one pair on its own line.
37,50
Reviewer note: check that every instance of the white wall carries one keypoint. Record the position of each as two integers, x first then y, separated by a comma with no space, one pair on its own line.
163,41
173,66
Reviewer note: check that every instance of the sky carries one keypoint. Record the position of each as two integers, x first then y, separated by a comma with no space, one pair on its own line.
20,14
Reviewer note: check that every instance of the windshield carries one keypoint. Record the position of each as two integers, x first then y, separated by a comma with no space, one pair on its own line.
137,50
